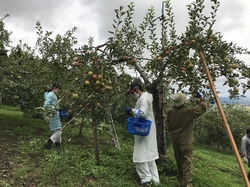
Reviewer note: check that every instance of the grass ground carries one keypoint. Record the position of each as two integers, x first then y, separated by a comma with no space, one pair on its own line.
24,162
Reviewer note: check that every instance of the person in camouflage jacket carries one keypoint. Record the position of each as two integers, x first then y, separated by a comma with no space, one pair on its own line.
180,125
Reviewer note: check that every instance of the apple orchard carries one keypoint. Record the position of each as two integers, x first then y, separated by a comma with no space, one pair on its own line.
95,78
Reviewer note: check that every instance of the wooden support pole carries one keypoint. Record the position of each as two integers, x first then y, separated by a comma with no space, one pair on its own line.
226,125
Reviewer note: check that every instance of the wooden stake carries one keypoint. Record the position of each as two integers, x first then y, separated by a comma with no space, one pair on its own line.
226,125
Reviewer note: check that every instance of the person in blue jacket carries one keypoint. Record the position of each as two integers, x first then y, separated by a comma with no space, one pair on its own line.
51,101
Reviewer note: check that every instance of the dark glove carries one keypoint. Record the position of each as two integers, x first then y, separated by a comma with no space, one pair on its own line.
198,95
128,110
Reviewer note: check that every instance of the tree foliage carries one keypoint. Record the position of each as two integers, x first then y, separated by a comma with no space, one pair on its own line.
211,132
177,56
95,78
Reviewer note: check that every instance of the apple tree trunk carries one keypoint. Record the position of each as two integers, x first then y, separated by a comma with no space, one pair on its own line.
95,133
158,107
1,99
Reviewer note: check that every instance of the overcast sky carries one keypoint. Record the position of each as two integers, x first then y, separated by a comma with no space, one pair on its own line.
95,18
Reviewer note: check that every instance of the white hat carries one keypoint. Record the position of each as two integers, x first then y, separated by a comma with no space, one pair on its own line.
179,99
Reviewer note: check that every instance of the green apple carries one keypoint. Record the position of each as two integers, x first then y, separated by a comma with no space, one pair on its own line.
75,96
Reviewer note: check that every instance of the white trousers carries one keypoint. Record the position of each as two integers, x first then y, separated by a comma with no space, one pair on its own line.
56,137
147,171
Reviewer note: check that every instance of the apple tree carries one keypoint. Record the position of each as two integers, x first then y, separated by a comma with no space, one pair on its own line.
169,62
4,44
89,85
90,82
100,84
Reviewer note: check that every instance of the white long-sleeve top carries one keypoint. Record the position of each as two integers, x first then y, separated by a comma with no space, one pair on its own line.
245,146
145,147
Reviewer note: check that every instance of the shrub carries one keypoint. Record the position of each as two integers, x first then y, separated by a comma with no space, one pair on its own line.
210,130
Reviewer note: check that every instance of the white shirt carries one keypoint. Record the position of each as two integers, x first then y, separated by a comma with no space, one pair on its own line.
145,147
245,146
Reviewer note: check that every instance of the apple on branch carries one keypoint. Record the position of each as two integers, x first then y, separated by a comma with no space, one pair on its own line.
230,70
125,57
90,73
226,59
236,89
94,76
190,66
234,66
99,77
133,61
210,40
86,83
216,67
75,96
235,81
167,52
98,82
183,69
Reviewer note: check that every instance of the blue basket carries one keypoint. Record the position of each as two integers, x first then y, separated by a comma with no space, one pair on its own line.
138,126
64,114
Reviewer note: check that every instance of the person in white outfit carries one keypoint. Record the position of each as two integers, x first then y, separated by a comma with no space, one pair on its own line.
145,147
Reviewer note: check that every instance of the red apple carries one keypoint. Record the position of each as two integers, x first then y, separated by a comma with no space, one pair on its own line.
94,76
183,69
210,40
236,89
167,52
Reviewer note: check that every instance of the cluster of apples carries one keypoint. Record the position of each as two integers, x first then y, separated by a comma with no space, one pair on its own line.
99,81
130,61
188,65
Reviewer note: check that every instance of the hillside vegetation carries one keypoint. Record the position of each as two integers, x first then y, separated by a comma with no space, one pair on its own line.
24,162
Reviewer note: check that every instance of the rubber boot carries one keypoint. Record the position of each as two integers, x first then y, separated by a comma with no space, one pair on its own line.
48,144
57,145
